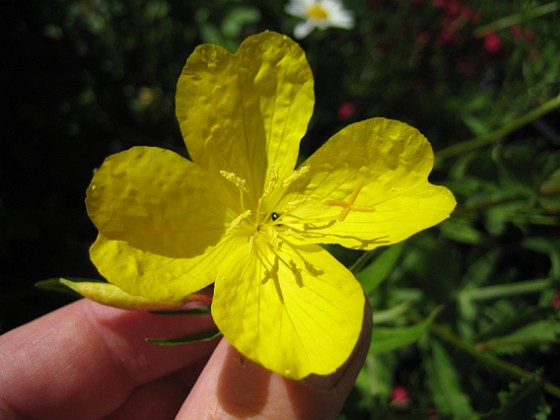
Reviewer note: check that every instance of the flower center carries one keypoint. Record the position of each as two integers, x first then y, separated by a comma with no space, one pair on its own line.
317,12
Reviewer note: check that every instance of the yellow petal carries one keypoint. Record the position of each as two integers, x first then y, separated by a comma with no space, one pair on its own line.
158,202
246,113
366,187
153,276
296,312
109,294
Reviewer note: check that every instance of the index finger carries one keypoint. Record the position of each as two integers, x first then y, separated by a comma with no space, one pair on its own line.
88,358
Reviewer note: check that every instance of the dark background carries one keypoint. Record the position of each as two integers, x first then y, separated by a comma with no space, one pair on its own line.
80,80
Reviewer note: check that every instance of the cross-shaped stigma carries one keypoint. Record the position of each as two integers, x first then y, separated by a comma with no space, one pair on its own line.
348,206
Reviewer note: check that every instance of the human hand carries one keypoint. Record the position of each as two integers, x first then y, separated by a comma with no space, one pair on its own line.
88,361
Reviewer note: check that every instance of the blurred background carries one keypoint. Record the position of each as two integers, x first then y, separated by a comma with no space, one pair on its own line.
84,79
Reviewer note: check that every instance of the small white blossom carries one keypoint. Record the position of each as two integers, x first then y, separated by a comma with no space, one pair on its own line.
319,14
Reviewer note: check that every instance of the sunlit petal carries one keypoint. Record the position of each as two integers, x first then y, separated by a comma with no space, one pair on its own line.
158,202
246,113
367,186
296,311
153,276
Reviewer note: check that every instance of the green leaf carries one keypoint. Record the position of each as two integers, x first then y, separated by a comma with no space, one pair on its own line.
543,331
443,381
461,230
372,276
233,24
387,339
55,285
203,310
549,246
522,401
187,339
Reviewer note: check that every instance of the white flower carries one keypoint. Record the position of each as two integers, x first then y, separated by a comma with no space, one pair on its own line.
319,14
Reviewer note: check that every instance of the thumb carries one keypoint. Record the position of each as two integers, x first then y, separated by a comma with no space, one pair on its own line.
232,386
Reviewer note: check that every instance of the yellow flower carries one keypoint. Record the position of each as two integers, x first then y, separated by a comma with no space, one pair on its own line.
238,216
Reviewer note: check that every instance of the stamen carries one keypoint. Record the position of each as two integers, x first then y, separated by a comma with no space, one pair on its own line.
297,174
273,182
292,205
348,205
235,223
240,183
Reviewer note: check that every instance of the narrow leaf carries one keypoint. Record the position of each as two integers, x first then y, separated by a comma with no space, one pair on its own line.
372,276
443,380
387,339
203,310
187,339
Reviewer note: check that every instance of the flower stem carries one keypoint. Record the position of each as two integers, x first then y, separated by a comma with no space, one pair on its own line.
361,262
500,133
484,204
509,21
523,343
490,360
509,289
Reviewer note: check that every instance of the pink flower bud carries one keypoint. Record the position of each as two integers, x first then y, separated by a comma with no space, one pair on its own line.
400,397
492,43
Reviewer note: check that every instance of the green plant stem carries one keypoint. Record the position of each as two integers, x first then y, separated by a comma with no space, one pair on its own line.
484,204
496,363
509,21
508,289
523,343
500,133
361,262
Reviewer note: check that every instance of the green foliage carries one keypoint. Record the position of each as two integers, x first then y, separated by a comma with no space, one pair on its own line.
385,339
521,401
443,381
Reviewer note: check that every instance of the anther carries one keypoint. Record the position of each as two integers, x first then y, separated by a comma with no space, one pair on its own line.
235,223
273,180
297,174
235,180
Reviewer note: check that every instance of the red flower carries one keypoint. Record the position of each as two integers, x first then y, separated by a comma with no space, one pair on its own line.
528,36
555,301
515,31
492,43
346,110
400,397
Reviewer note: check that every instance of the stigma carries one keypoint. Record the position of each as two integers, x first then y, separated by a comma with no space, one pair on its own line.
349,204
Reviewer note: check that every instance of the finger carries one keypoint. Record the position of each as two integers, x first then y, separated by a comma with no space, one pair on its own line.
159,399
232,386
86,359
162,398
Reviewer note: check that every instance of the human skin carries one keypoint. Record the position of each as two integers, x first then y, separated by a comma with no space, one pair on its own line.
89,361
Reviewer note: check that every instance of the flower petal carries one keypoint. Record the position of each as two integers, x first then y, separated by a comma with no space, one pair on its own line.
158,202
366,187
153,276
296,312
109,294
246,113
